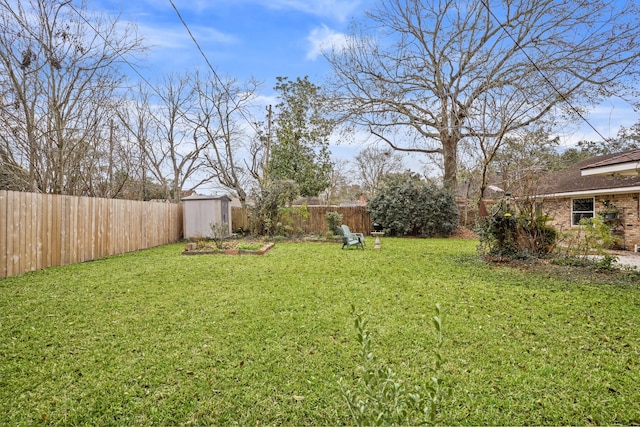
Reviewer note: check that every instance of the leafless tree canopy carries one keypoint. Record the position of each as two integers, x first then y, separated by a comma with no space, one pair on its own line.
223,119
373,164
60,86
193,129
425,75
174,151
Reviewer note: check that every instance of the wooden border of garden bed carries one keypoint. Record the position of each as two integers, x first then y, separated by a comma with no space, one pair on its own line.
260,251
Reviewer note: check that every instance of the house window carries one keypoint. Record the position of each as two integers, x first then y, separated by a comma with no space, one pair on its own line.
581,208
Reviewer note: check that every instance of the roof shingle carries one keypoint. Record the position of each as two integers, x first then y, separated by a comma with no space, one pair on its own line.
614,159
571,179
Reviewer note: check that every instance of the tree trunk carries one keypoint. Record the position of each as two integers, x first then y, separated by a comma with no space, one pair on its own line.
450,154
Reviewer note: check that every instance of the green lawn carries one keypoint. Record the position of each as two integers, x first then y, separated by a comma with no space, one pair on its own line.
155,337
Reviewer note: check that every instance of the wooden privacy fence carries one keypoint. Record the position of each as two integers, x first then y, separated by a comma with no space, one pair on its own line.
356,217
46,230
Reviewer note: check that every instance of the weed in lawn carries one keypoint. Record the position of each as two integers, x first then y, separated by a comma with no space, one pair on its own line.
219,232
380,398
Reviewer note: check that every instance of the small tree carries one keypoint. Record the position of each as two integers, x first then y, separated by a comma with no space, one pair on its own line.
516,232
378,397
593,237
407,205
219,232
267,211
334,219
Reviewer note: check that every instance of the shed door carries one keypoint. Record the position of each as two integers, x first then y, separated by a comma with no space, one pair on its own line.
225,211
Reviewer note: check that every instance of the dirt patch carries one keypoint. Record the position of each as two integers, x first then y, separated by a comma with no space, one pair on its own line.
464,233
587,273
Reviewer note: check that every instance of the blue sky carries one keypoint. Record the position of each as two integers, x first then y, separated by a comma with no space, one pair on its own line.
241,38
269,38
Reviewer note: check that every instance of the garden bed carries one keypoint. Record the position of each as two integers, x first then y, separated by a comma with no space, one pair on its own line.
230,247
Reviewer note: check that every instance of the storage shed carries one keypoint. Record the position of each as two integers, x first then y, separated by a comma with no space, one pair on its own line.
201,212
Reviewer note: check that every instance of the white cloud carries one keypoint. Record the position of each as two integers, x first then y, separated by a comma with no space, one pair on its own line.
340,10
322,39
164,38
607,117
266,100
176,36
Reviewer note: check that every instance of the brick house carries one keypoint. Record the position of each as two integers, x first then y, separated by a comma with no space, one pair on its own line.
607,185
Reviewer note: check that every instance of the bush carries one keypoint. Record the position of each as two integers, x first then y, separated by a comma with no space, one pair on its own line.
516,233
406,205
334,220
270,207
219,232
597,235
593,237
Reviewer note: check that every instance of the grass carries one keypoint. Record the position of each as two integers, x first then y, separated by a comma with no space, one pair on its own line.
155,337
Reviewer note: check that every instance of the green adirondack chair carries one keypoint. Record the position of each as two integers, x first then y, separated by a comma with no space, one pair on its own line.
349,239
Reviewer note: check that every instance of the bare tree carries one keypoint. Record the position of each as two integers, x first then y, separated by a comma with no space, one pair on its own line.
191,130
59,82
525,161
419,74
338,189
105,170
223,120
491,128
136,118
175,149
257,165
373,164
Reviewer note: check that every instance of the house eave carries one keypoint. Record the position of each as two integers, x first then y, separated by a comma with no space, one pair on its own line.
620,169
595,192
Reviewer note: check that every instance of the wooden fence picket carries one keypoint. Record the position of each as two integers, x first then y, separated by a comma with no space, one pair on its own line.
46,230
